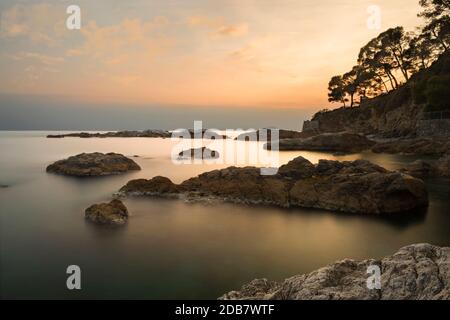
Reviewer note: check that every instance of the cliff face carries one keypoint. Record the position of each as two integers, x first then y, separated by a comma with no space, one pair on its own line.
391,115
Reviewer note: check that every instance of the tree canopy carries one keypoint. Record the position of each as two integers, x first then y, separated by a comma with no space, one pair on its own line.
391,58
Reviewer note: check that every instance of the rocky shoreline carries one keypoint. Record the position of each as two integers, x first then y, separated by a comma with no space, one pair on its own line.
118,134
356,187
415,272
343,142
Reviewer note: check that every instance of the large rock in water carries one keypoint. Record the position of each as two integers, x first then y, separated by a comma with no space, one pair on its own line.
113,213
357,186
266,135
415,272
327,142
93,164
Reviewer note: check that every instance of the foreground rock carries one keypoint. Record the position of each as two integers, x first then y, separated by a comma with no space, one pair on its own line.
327,142
357,186
113,213
427,169
415,272
266,135
420,146
116,134
93,164
199,153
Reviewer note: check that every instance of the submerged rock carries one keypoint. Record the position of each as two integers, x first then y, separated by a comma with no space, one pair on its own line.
93,164
199,153
357,186
415,272
328,142
113,213
420,146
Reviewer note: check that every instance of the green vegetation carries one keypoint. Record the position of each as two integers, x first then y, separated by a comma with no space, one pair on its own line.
437,93
394,56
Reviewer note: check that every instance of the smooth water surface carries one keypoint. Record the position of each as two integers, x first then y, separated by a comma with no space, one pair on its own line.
169,248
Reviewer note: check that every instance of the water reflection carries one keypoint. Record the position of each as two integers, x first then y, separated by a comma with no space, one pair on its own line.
173,249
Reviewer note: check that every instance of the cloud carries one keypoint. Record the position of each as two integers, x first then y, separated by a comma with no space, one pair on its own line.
217,26
41,23
234,31
115,43
42,58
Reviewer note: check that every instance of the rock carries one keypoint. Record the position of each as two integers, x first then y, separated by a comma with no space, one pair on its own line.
118,134
199,153
299,168
370,193
266,135
424,169
329,167
240,185
113,213
328,142
93,164
443,166
419,169
357,186
156,186
420,146
415,272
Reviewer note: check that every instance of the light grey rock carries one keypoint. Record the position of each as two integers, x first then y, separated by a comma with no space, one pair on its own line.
415,272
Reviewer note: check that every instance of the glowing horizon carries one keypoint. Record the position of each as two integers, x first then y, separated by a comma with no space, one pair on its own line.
263,53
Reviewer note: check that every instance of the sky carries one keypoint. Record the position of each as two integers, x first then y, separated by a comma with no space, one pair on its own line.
234,56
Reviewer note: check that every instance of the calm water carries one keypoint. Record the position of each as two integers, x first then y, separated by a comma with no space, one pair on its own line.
171,249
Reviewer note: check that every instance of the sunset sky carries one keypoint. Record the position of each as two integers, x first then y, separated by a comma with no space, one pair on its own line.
259,53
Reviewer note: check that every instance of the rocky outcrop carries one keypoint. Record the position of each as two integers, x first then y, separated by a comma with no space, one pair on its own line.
426,169
157,186
113,213
415,272
391,115
199,153
116,134
266,135
420,146
357,186
327,142
93,164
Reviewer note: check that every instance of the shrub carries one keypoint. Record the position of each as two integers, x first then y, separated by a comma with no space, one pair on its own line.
437,93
